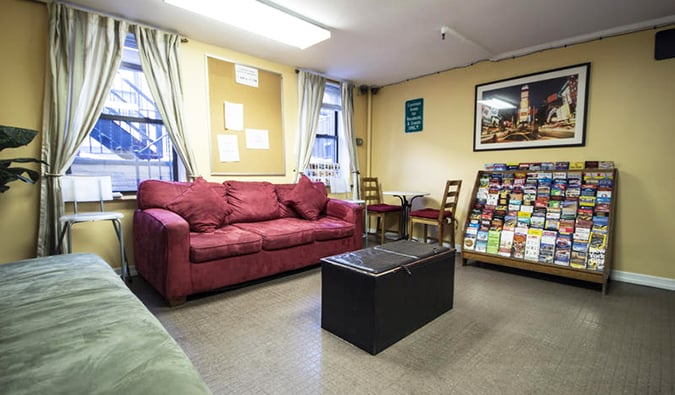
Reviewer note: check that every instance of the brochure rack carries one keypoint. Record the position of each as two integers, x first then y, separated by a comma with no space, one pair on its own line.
558,222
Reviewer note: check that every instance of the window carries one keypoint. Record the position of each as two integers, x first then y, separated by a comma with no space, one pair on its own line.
326,155
326,144
129,142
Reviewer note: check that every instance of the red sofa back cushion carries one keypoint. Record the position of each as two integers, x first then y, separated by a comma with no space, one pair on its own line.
307,199
252,201
201,206
158,193
285,210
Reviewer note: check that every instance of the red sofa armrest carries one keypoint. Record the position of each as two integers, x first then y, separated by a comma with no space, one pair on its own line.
346,211
162,251
349,212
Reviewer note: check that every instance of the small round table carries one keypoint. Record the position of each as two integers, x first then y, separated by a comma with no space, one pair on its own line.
406,198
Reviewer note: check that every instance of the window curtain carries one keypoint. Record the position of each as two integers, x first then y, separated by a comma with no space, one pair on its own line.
347,97
85,51
159,54
310,95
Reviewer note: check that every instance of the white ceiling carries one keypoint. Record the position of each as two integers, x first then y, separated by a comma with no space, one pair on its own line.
380,42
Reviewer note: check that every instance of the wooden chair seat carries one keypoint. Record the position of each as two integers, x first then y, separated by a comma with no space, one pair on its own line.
441,216
372,194
384,208
430,213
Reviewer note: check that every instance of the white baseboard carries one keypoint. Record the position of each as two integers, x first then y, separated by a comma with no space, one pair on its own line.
643,279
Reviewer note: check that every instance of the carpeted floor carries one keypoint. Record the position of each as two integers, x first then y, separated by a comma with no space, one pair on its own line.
509,333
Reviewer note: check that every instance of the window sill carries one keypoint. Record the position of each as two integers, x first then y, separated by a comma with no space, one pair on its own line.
130,197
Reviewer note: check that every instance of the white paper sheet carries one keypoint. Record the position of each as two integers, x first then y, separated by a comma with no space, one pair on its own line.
234,116
228,148
246,75
257,139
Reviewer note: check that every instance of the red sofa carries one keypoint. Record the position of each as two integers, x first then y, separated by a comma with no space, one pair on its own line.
197,237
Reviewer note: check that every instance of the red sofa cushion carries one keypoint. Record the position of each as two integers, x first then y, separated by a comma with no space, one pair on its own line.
222,243
282,232
159,193
285,210
252,201
327,228
201,207
308,200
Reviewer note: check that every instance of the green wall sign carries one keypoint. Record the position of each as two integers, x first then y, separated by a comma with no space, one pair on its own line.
414,115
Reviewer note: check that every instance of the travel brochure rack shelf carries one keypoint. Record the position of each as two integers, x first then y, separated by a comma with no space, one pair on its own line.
586,260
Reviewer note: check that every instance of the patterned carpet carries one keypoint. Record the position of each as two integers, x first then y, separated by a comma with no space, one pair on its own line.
509,333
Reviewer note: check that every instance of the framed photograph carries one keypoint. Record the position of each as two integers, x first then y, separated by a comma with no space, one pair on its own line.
546,109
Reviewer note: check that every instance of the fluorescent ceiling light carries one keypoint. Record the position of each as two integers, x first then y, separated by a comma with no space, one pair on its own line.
496,103
259,18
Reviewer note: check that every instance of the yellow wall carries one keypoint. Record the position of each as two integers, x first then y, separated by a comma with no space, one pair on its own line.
23,26
630,121
631,99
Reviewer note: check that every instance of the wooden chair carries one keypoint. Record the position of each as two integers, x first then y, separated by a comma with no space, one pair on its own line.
371,193
439,217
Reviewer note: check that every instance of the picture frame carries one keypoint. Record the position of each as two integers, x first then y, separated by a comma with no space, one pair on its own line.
540,110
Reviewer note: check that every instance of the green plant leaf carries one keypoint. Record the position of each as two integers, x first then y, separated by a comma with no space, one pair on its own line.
23,160
16,173
12,137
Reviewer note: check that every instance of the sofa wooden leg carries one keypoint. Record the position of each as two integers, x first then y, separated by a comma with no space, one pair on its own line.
177,301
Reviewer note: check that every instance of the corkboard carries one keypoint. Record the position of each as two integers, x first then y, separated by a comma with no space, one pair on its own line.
262,110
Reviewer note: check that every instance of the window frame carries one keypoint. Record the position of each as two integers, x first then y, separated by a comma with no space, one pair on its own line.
336,109
175,166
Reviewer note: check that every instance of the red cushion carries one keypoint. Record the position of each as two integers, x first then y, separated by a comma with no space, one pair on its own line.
202,207
307,199
327,228
158,193
429,213
222,243
252,201
383,208
282,232
285,210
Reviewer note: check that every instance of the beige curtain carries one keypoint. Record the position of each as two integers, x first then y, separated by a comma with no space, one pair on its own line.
310,96
159,53
347,99
85,51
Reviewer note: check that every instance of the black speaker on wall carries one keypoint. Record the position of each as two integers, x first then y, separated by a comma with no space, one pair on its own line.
664,44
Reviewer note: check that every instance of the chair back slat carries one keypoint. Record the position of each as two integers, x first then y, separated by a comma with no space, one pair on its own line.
450,198
370,190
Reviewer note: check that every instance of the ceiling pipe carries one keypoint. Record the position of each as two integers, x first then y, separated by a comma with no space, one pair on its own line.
636,27
448,31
